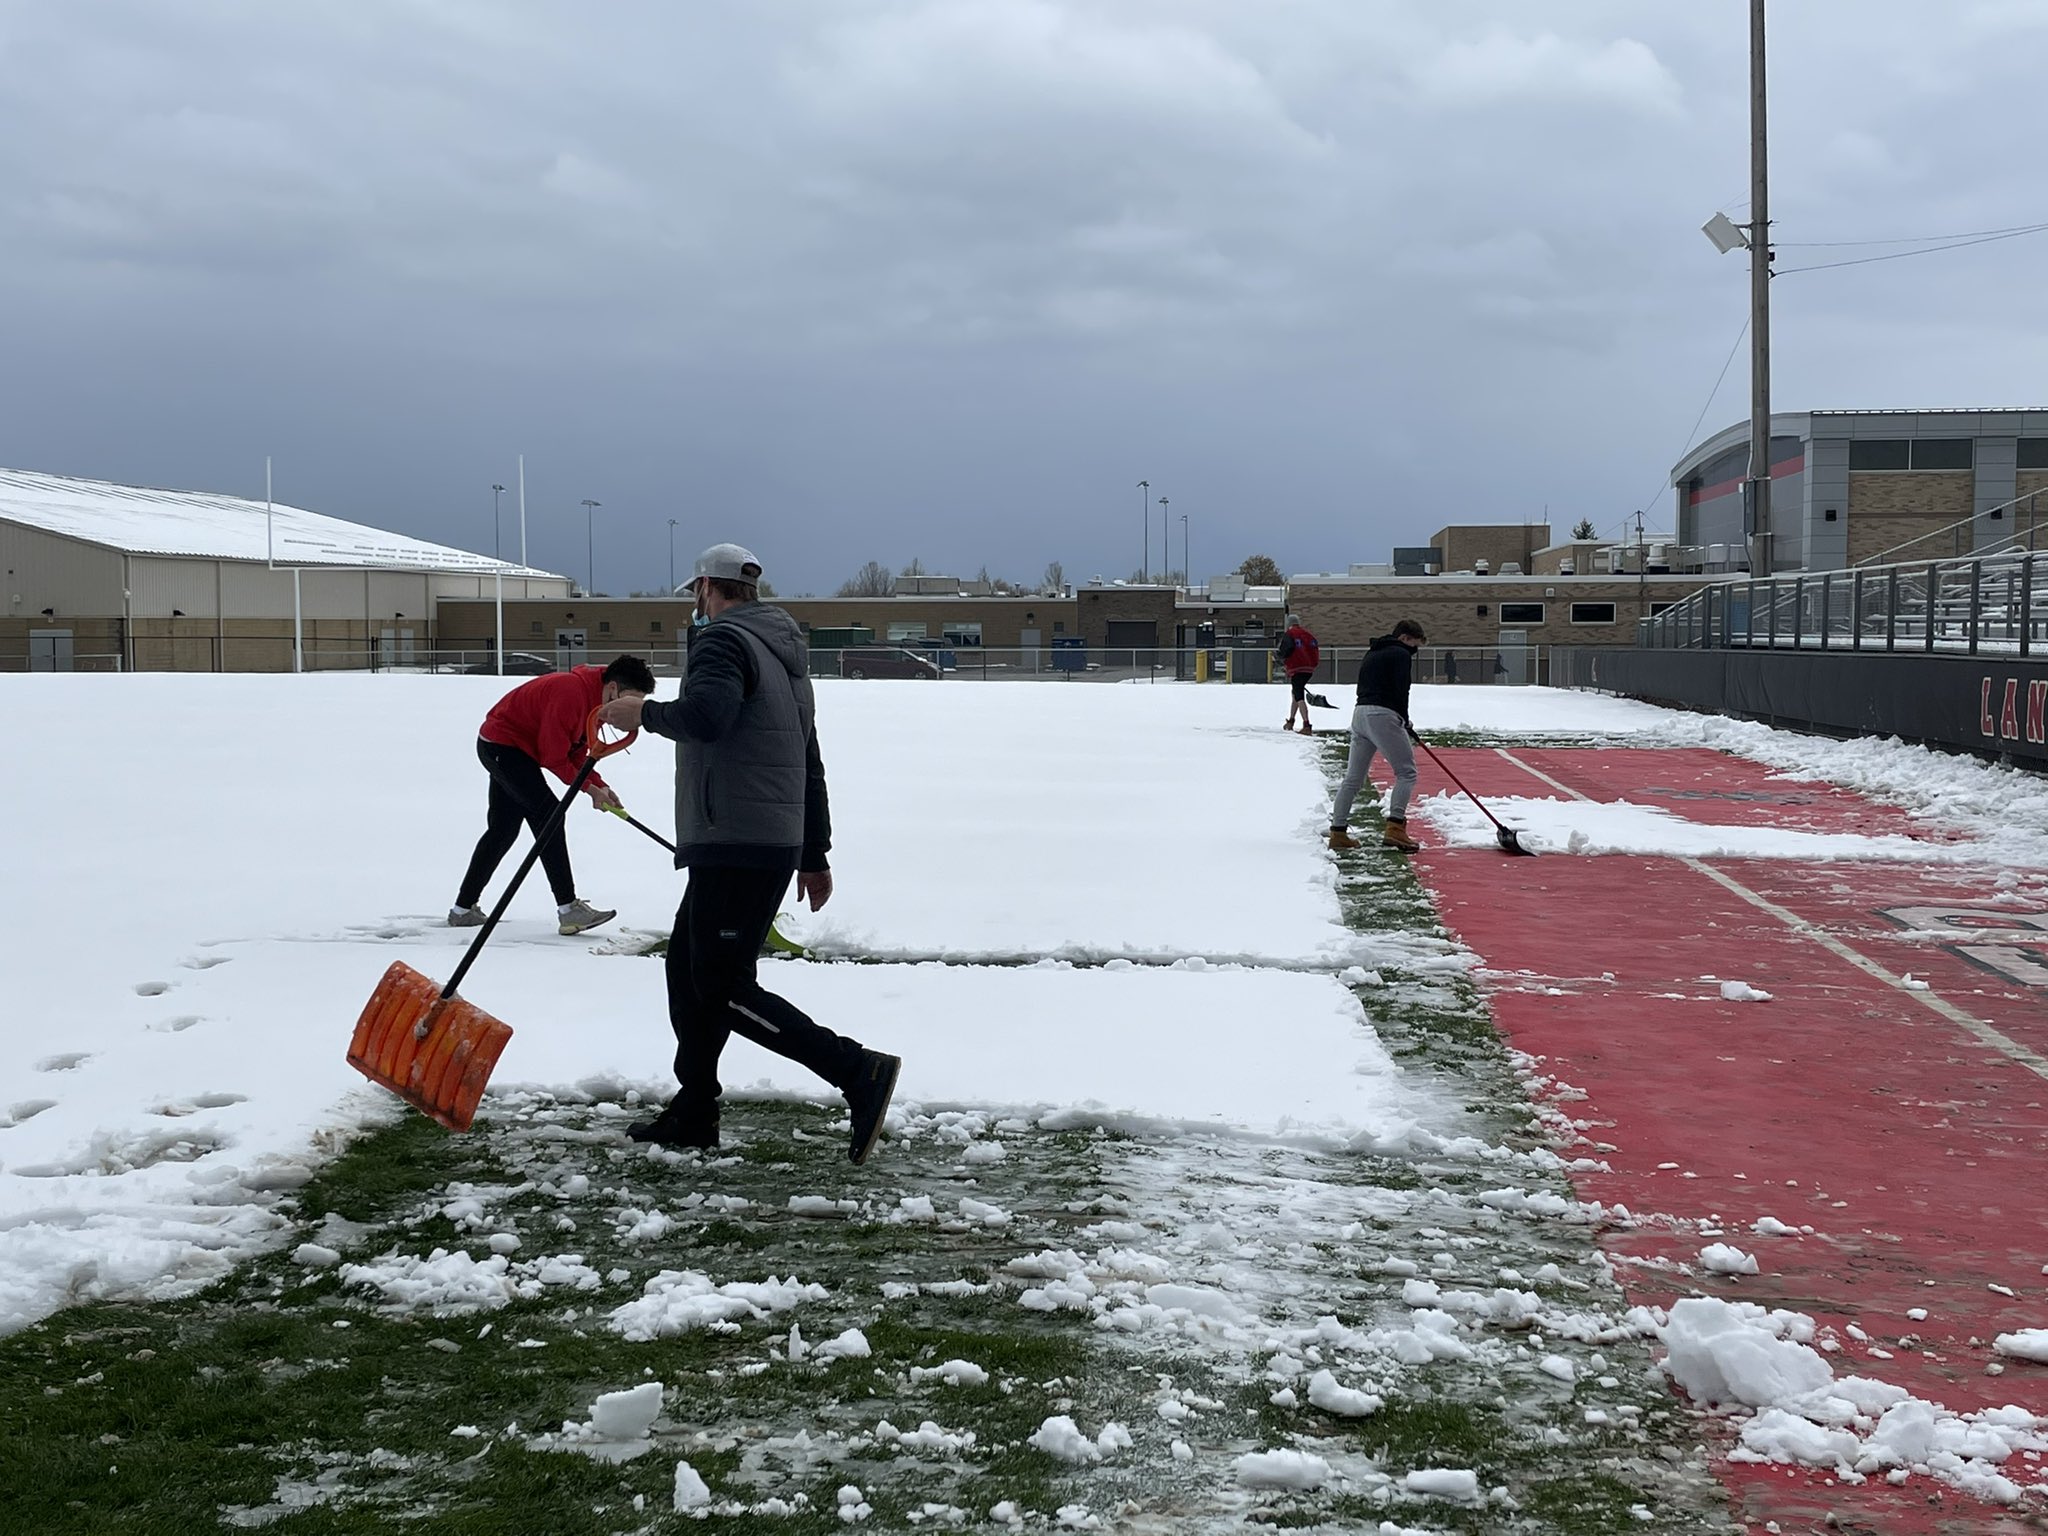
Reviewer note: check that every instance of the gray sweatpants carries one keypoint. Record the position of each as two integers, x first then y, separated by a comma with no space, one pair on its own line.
1376,729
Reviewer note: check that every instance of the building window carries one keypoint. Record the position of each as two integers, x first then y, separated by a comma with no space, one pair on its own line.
898,633
536,626
1943,453
1592,613
957,633
1657,608
2034,453
654,626
1912,453
604,626
1059,626
1521,613
1881,453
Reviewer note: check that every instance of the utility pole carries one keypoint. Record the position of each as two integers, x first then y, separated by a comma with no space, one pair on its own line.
497,492
671,557
1642,570
1145,517
1187,569
1762,552
590,540
1165,558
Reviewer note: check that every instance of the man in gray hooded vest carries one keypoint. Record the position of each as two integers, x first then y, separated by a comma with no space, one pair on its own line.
751,810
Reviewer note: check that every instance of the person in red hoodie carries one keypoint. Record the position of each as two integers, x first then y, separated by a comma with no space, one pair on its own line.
540,724
1299,658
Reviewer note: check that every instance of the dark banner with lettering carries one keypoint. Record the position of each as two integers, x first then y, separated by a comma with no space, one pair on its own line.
1988,704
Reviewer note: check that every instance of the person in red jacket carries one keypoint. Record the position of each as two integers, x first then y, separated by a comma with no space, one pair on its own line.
540,724
1299,658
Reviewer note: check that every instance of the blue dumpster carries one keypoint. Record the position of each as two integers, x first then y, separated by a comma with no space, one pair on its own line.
1070,653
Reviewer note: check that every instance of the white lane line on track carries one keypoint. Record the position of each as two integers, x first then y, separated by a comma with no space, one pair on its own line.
1984,1033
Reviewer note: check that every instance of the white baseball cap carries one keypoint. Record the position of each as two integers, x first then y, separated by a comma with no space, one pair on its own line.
728,562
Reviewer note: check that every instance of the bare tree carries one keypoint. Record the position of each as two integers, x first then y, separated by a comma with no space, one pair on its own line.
1261,571
871,580
915,568
1055,578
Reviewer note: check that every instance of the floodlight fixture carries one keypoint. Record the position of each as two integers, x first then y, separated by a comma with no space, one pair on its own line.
1726,234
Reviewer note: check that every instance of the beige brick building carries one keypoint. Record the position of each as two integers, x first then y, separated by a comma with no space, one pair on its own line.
1898,512
1463,545
1485,612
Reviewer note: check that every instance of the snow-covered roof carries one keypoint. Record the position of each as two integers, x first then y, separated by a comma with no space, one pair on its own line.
141,520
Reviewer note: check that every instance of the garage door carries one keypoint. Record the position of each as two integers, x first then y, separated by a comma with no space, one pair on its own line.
1131,643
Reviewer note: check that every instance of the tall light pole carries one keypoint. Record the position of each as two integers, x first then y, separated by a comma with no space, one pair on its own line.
497,491
1145,517
1187,567
671,557
590,538
1756,235
1759,302
1165,558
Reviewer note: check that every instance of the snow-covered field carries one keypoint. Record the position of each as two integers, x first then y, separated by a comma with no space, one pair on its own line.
1098,905
212,872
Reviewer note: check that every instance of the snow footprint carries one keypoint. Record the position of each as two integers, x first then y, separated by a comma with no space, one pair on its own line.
386,931
204,962
151,988
27,1109
197,1102
183,1021
63,1061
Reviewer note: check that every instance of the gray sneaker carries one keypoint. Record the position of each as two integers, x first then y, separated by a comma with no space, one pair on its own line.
582,915
465,917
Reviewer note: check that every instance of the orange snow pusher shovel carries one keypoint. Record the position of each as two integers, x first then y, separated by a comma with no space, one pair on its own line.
436,1050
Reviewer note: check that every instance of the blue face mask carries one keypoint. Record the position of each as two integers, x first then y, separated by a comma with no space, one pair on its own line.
699,619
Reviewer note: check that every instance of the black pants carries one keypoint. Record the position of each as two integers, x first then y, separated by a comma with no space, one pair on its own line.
518,794
713,994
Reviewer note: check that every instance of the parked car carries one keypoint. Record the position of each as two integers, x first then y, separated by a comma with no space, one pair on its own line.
885,661
517,664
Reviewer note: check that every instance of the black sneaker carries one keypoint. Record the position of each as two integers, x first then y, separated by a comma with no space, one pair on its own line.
868,1097
679,1128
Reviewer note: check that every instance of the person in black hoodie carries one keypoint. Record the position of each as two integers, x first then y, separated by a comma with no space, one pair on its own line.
751,811
1380,724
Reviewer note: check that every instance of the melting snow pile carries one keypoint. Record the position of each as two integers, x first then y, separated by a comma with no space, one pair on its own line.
1737,1356
678,1301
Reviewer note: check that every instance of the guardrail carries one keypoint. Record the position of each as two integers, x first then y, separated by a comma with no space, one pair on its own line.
1491,665
1990,604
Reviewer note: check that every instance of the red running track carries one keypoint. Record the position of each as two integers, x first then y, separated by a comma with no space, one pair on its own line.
1915,1148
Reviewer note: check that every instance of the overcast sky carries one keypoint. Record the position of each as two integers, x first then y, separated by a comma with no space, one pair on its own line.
884,279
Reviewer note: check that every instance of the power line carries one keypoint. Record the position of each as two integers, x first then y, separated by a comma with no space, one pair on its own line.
1962,234
1864,261
1712,395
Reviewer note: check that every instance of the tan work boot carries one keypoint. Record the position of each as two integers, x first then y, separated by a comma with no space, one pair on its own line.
1395,835
1341,840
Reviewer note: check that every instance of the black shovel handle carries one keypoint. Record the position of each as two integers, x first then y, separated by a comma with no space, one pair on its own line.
1461,785
620,812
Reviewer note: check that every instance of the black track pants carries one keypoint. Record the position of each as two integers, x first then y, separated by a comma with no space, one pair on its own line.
713,993
518,795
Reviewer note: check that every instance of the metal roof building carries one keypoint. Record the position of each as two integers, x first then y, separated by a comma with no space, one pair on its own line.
1859,487
118,577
